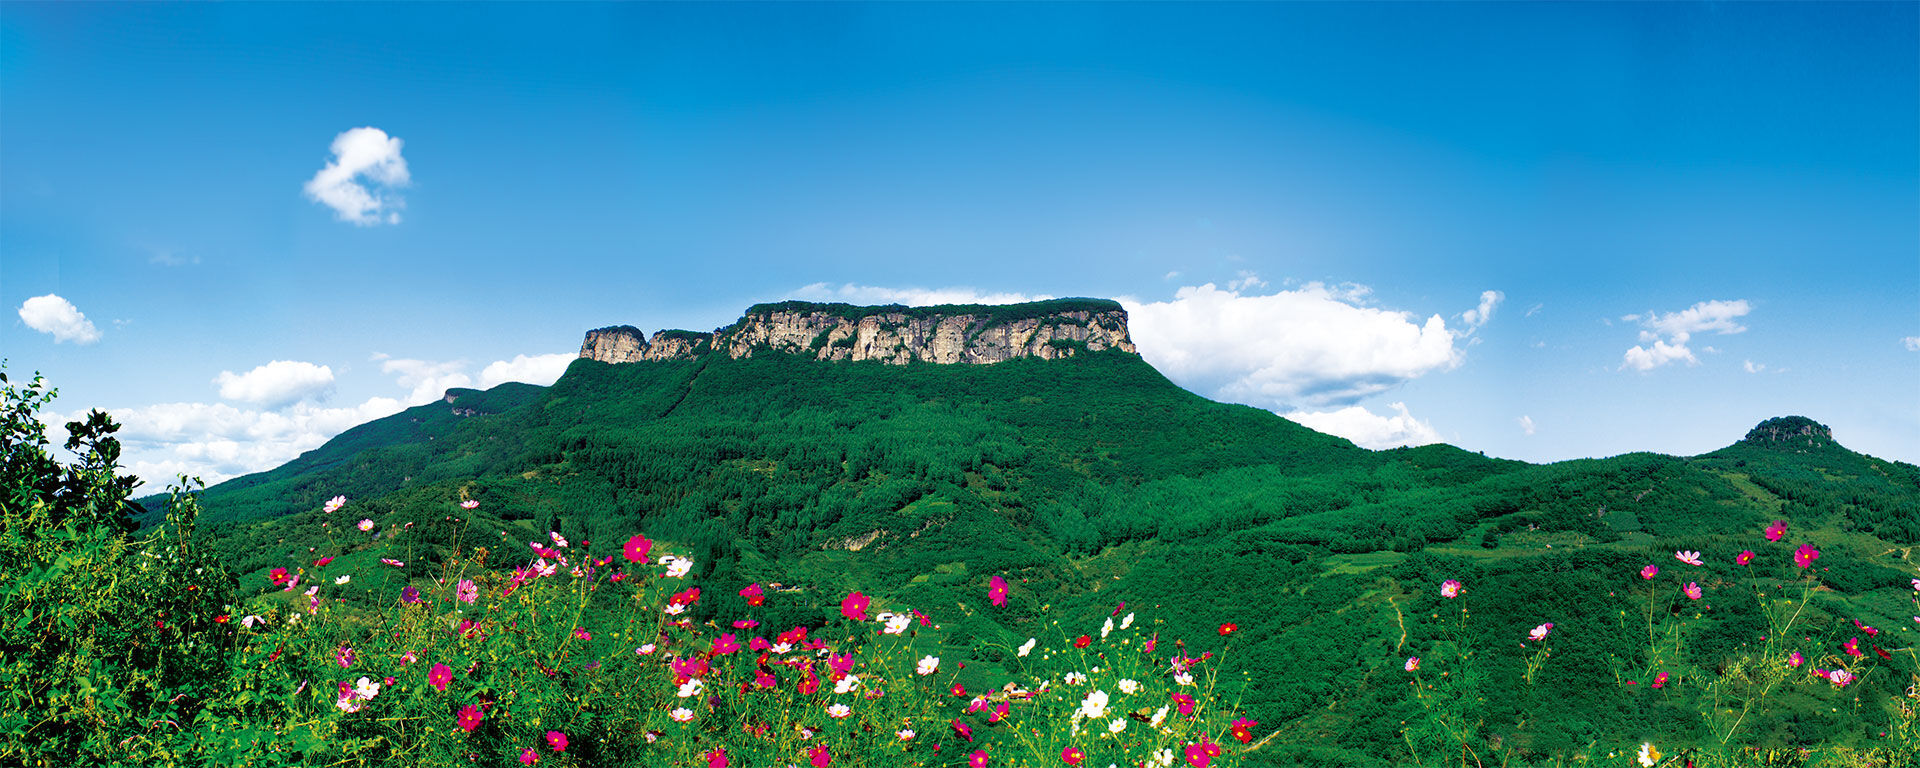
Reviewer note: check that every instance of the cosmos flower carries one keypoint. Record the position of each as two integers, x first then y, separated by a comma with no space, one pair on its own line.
978,759
1027,647
1082,641
1775,531
678,567
636,549
1795,659
1660,680
1094,706
896,623
1745,557
469,718
1413,664
1648,755
344,656
965,731
469,504
440,676
1072,755
904,734
1228,628
410,594
1688,557
1540,632
927,666
393,562
854,606
1243,729
365,524
557,740
323,561
1805,555
528,756
997,591
1692,589
1852,647
753,594
335,503
1075,678
1183,703
1450,589
466,591
1129,687
1840,678
820,756
1649,572
837,710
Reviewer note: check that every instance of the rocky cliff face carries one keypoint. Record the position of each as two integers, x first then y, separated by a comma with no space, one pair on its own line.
892,334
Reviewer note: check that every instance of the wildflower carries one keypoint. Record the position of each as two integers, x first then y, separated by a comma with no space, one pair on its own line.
440,676
1648,755
528,756
1853,648
717,758
469,504
1197,756
965,731
1228,628
1805,555
393,562
1027,647
252,621
1183,678
469,718
1243,729
927,666
997,591
895,623
691,688
678,567
1450,589
1660,680
1649,572
1116,725
1129,687
582,633
365,525
1159,716
1775,531
1126,622
278,576
410,595
1916,585
1184,703
323,561
1540,632
1082,641
335,503
820,756
344,656
1745,557
1840,678
1413,663
1106,628
466,591
846,684
1072,755
557,740
1795,659
1075,678
753,594
854,607
1094,706
1688,557
978,759
1692,589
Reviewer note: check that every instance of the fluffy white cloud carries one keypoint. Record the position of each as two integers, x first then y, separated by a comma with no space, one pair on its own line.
217,441
429,380
359,154
536,369
1368,429
1526,425
1753,367
57,316
276,384
1308,348
1479,315
912,297
1912,343
1668,333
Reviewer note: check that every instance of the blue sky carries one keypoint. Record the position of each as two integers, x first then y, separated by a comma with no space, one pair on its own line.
1690,216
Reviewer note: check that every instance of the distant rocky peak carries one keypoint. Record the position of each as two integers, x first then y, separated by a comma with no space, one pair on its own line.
1790,432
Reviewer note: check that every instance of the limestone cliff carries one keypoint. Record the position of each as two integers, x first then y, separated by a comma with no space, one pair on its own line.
891,334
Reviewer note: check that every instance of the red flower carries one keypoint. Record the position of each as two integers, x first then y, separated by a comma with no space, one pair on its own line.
958,690
1243,729
687,596
1228,628
997,591
1072,755
220,619
278,576
820,757
1082,641
855,606
753,594
637,548
323,561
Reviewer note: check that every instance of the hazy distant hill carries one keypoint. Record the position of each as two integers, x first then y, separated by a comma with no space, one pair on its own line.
1090,479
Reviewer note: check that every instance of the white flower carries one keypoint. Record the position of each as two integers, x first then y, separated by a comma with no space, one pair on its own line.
1107,628
846,684
674,609
927,666
1688,557
644,649
896,623
1094,706
1540,632
544,568
366,689
343,579
366,525
691,688
1163,757
905,734
1027,647
335,503
782,647
839,710
1184,678
252,621
1129,686
348,703
1075,678
1126,622
1119,724
1158,717
558,540
681,714
679,567
1648,755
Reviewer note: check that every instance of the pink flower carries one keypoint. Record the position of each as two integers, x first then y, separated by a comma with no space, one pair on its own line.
323,561
1693,590
557,740
1184,703
854,607
1687,556
344,656
1660,680
1775,531
753,594
1649,572
1072,755
1805,555
335,503
393,562
997,591
582,633
1853,648
558,540
1840,678
1197,756
978,759
1540,632
965,731
1450,589
1413,663
820,756
469,504
725,644
440,676
1795,659
637,548
1745,557
469,718
717,758
365,525
528,756
466,591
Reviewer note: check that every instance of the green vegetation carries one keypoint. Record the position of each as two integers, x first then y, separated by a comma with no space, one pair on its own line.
994,313
1091,481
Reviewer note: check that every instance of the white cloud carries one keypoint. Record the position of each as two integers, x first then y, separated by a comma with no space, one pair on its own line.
1245,281
1172,275
429,380
55,315
1479,315
217,441
1752,367
276,384
913,297
1912,343
1526,425
1669,332
1312,347
537,369
358,153
1535,309
1369,430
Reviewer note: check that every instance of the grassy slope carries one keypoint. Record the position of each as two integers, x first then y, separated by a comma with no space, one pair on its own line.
1093,480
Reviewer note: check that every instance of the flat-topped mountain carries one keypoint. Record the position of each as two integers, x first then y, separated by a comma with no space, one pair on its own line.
893,334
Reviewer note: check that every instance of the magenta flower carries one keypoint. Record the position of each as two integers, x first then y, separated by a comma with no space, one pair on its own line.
725,644
582,633
557,740
1660,680
344,656
854,607
1745,557
1450,588
1649,572
410,595
997,591
1693,590
469,718
528,756
466,591
1540,632
637,548
1413,664
820,756
1777,530
440,676
1687,556
1795,659
1805,555
1853,647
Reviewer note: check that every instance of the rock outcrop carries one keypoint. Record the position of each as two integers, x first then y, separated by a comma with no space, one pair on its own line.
891,334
